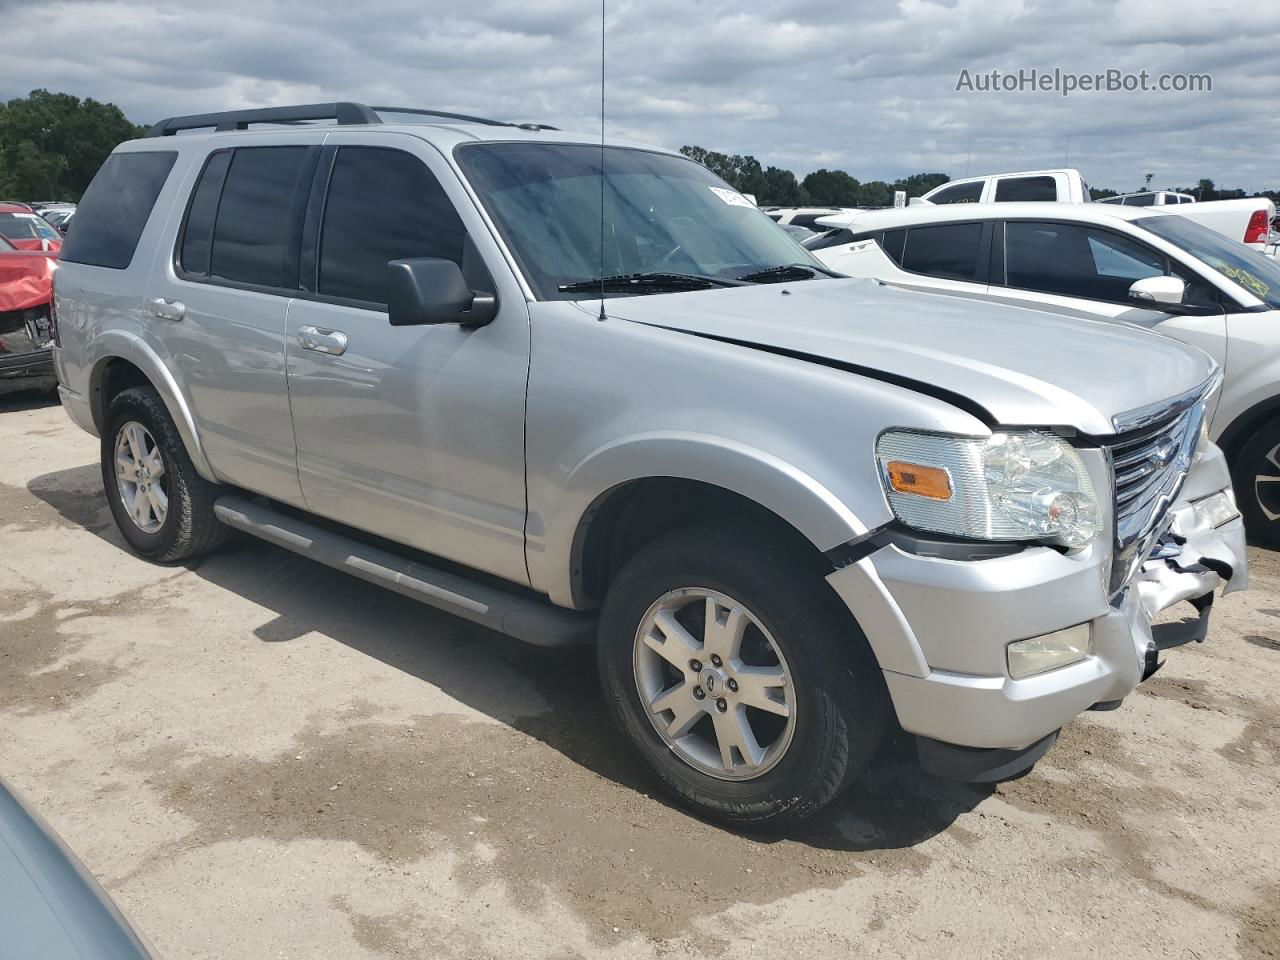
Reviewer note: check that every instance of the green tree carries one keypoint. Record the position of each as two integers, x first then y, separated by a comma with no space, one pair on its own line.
51,144
831,188
918,184
875,193
781,189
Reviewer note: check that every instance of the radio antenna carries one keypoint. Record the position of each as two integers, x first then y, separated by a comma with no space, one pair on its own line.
602,313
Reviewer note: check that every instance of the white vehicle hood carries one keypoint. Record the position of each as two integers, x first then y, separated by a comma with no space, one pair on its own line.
1023,367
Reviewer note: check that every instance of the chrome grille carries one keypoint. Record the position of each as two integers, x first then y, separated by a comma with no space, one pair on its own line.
1149,463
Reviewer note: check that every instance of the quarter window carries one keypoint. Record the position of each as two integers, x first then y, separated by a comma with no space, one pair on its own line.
949,251
382,205
115,209
1014,189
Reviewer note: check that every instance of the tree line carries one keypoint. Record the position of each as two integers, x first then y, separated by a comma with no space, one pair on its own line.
776,187
51,145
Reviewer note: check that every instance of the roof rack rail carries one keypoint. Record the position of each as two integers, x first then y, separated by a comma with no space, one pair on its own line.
466,118
343,113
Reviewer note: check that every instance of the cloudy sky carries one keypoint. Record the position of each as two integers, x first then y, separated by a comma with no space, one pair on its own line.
865,85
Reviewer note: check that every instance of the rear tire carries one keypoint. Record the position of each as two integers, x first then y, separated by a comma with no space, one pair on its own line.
163,507
1259,499
787,765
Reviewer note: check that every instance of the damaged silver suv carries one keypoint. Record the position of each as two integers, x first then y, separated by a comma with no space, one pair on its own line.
588,394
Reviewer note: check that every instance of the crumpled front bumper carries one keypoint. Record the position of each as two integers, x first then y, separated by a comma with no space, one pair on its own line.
940,628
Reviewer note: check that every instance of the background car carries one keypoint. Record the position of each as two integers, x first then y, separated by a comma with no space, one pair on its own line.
804,216
26,229
59,217
797,231
26,325
1145,265
1149,198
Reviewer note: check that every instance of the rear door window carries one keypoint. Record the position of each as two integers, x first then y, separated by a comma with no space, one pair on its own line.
960,193
1015,189
254,225
1141,200
197,233
948,251
114,210
383,204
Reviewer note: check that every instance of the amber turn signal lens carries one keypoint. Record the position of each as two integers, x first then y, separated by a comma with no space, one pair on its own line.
931,482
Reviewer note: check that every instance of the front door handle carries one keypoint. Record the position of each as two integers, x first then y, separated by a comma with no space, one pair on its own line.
332,342
168,309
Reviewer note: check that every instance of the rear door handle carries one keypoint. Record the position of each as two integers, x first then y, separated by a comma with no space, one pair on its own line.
332,342
168,309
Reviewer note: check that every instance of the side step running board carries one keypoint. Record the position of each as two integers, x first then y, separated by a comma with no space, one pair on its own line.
530,620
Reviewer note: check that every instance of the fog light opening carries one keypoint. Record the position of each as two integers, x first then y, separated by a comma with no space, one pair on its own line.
1049,652
1216,510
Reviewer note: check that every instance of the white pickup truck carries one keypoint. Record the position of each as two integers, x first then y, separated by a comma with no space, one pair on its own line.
1247,220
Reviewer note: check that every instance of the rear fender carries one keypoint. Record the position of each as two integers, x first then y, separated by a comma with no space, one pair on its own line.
128,346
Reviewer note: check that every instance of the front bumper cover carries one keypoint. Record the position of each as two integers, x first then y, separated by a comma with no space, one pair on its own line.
940,627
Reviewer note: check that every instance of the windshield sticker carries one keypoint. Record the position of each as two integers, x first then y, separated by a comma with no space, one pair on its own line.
732,197
1246,279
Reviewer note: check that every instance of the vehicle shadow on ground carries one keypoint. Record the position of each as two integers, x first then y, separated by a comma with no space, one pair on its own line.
895,806
20,400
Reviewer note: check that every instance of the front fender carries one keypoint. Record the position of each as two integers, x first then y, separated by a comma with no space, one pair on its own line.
121,344
761,477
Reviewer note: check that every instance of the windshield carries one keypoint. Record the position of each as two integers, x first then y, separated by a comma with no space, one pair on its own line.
21,226
663,215
1253,271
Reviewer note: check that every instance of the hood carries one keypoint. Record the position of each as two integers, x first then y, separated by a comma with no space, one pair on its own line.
26,279
1019,367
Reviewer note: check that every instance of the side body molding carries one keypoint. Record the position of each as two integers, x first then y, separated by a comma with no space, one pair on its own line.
116,343
739,468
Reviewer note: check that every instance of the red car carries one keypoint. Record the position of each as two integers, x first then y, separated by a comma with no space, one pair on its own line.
26,329
26,229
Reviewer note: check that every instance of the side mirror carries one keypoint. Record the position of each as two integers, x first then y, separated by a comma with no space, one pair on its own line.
433,290
1165,294
1157,292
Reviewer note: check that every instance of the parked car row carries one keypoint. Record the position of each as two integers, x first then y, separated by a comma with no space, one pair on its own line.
1246,220
789,509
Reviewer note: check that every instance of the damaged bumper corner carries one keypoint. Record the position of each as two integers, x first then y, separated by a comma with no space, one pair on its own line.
1200,552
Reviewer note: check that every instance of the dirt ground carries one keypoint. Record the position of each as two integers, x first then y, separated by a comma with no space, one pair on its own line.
259,757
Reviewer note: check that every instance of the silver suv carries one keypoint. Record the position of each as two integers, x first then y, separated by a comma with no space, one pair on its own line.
586,393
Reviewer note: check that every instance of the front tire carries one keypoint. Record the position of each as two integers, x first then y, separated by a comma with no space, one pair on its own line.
163,507
739,676
1255,474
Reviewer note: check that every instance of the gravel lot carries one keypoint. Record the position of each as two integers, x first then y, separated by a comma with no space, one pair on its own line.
262,758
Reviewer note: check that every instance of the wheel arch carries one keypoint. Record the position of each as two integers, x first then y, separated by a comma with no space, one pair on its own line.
650,483
126,360
1246,424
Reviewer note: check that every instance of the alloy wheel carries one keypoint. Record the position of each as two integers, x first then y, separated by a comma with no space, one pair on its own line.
141,479
714,683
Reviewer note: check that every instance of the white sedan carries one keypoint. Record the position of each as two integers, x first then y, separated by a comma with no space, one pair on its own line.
1113,263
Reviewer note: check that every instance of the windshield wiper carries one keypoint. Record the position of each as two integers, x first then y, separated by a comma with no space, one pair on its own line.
649,282
790,271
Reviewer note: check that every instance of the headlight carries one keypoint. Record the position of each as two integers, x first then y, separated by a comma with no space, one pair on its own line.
1022,485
